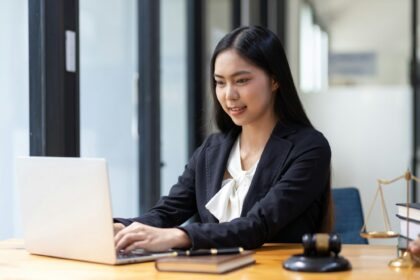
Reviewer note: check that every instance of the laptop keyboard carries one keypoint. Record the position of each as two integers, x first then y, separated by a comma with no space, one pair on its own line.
133,254
138,253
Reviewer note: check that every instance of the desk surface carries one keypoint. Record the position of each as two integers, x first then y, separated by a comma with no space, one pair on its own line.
368,261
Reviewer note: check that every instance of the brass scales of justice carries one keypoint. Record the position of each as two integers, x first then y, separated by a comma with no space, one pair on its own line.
405,259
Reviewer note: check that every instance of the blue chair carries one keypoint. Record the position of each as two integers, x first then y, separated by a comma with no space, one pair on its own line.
348,215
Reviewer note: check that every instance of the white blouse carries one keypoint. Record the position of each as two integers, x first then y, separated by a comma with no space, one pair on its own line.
226,204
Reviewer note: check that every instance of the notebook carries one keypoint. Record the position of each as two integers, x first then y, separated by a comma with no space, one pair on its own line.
414,211
66,210
205,264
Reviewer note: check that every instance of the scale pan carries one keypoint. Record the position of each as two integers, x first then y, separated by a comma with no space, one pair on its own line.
379,234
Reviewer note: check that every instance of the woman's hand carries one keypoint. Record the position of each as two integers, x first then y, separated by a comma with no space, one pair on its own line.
140,236
414,247
118,227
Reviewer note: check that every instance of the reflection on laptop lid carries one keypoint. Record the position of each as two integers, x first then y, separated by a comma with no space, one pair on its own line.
66,209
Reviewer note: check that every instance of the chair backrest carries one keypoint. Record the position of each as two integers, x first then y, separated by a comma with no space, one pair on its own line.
348,215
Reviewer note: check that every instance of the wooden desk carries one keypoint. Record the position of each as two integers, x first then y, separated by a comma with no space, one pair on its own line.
369,262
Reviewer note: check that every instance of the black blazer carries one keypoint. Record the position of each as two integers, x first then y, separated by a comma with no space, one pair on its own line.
286,199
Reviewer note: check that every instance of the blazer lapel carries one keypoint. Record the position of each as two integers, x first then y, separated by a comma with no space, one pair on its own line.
216,160
272,159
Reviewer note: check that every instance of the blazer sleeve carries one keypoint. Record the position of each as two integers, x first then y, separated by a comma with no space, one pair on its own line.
178,206
292,193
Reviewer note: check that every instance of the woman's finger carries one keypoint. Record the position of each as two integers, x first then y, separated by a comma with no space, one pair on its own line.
135,245
134,227
118,227
128,239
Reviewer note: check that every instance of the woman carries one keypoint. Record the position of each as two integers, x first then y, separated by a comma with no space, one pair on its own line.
263,178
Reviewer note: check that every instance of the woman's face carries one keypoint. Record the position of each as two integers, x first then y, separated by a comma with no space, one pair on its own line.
245,92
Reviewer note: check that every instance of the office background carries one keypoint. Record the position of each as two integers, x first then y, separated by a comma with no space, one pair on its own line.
140,94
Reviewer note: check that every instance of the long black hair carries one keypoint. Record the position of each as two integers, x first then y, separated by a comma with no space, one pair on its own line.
263,48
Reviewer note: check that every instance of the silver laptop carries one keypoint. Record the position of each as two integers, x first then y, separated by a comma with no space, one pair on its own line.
66,210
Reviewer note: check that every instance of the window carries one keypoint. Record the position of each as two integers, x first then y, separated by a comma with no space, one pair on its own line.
14,108
173,102
313,53
108,95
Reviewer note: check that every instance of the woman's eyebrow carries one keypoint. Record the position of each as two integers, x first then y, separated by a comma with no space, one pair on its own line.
234,74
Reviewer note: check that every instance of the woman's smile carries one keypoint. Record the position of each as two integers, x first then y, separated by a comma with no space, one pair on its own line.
236,110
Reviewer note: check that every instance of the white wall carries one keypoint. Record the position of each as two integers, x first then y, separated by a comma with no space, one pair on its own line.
369,130
368,125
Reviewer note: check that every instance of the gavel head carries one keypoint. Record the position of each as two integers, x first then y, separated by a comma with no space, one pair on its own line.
321,244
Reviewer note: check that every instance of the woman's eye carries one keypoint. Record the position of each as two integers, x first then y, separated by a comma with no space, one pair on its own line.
220,83
242,81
